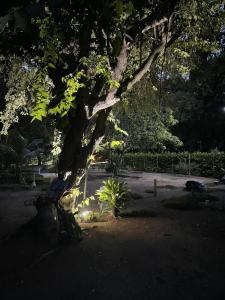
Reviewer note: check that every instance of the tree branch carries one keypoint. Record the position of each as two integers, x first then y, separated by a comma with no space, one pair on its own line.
145,67
154,24
99,130
158,16
117,74
114,95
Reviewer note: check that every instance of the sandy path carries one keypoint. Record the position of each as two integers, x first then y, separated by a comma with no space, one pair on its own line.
13,213
174,255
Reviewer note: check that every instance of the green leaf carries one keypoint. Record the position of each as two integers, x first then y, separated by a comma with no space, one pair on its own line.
51,66
116,144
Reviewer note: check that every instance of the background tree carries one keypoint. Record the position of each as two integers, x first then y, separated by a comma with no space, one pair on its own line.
147,126
200,106
193,84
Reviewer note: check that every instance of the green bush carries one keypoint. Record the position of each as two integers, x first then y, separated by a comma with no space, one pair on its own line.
201,163
39,179
91,217
113,193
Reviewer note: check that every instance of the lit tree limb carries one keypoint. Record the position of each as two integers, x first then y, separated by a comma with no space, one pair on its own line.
146,65
110,99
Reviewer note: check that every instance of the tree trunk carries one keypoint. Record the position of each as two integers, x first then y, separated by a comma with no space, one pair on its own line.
74,159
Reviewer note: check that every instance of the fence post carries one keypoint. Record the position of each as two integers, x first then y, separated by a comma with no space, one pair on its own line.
172,166
213,156
189,163
85,185
155,188
157,163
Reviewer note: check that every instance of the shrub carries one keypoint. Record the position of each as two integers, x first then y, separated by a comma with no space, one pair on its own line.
200,164
113,193
91,217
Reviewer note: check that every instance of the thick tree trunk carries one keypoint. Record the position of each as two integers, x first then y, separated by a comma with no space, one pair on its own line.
74,159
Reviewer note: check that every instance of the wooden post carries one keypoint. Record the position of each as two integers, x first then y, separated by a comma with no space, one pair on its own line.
85,185
155,188
157,163
33,185
189,163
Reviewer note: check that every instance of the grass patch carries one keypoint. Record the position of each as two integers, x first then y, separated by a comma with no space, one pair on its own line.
190,201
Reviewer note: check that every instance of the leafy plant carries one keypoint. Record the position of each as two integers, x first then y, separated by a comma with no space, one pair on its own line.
113,193
92,216
69,201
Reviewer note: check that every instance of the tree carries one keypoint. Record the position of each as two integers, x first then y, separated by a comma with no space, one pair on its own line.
193,81
200,105
145,126
81,57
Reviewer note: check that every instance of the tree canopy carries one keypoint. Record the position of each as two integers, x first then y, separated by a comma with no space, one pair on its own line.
72,61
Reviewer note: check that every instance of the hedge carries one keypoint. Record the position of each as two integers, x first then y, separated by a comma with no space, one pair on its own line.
197,163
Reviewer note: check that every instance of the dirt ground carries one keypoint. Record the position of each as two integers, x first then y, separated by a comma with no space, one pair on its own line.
173,255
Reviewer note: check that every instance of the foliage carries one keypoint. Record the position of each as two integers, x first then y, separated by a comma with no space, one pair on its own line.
200,104
84,202
91,216
191,74
147,126
112,193
98,65
56,144
7,154
72,86
19,150
40,91
19,77
201,163
116,124
70,200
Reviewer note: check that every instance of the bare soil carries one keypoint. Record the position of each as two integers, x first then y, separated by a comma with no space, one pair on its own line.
174,255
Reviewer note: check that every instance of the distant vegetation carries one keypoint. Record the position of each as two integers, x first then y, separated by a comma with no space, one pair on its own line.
198,163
